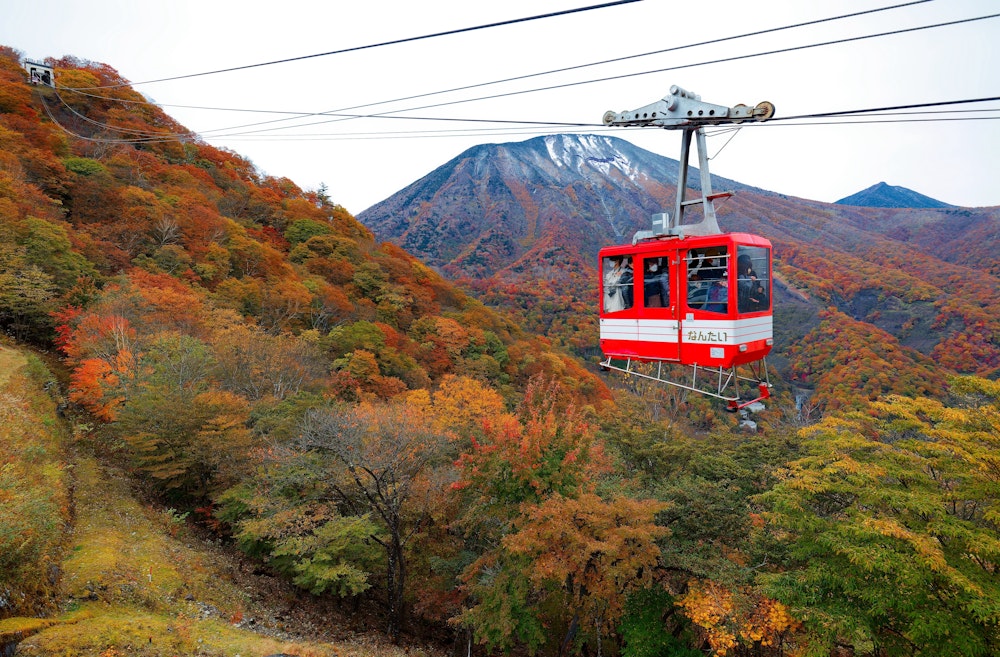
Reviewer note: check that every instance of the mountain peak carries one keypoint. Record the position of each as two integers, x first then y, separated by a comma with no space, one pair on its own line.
884,195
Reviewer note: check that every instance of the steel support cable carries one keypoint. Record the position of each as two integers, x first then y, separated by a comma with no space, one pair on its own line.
601,125
103,140
531,124
530,131
528,125
527,130
889,108
581,66
516,78
143,133
390,114
887,120
882,111
375,45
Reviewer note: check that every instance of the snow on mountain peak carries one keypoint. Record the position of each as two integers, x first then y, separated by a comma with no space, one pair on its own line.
578,152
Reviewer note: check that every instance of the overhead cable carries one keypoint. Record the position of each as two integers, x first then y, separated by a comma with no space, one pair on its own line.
890,108
377,45
297,115
865,114
603,129
891,112
340,116
105,140
705,63
592,64
134,131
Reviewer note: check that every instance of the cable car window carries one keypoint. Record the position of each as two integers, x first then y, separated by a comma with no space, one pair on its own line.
656,282
708,283
753,277
619,283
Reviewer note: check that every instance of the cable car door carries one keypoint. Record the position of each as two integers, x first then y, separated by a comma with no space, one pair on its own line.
658,326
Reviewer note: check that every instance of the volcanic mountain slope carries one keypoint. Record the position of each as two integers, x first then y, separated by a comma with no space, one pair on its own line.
493,204
522,224
883,195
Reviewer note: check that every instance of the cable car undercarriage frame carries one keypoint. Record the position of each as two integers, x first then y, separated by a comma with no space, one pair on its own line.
721,383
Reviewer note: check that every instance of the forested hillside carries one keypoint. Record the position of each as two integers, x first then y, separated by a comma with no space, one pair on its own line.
274,379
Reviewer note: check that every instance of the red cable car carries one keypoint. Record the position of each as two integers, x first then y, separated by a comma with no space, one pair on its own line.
688,294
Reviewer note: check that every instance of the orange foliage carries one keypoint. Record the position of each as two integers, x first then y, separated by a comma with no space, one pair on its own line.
852,363
461,405
91,385
727,618
168,304
548,447
596,551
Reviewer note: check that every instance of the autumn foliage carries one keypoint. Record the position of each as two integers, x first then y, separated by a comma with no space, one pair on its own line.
371,431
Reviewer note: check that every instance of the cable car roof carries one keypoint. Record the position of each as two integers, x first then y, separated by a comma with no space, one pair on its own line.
664,243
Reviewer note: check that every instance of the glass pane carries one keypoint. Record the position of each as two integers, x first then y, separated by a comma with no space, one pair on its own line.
656,282
619,283
708,283
753,278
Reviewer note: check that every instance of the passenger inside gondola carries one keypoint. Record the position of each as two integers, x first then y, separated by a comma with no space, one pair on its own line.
656,283
618,283
751,292
704,266
752,279
718,294
627,283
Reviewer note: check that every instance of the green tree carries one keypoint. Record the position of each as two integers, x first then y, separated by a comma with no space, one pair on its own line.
290,522
644,629
27,297
189,437
886,530
379,461
301,230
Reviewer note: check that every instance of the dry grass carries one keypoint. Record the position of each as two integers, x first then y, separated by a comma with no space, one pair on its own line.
34,499
10,362
142,590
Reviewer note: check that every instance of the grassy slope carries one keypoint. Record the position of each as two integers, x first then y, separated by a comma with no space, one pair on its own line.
135,582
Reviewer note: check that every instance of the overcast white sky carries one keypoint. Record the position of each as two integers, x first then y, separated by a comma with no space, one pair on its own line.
363,161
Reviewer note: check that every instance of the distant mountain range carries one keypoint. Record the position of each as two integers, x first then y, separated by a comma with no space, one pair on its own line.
883,195
522,223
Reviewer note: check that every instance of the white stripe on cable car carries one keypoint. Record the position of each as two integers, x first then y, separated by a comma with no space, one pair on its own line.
642,330
666,330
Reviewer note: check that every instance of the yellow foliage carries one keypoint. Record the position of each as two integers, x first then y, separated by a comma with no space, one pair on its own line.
460,404
727,618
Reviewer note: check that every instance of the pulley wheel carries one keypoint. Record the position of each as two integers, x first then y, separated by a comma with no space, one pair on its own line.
763,111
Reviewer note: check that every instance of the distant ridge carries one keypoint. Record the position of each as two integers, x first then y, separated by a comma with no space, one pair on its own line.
883,195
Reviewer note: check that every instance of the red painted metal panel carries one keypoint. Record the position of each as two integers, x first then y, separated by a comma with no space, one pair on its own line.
704,337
